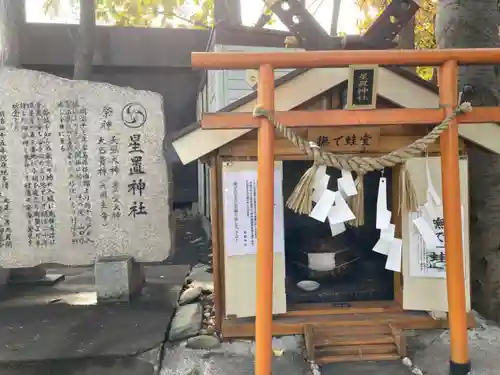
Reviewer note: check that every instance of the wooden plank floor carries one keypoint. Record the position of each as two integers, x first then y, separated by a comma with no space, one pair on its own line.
293,323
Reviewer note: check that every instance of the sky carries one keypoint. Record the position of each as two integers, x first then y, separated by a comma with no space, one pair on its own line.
321,9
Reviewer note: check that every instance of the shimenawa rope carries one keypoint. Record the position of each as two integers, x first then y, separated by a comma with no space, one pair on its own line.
301,199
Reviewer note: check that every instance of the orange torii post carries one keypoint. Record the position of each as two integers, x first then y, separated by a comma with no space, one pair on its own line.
448,61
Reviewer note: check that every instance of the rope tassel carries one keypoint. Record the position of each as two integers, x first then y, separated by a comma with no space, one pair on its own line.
301,199
408,201
357,202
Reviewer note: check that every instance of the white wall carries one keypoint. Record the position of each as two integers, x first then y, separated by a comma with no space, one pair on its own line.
227,86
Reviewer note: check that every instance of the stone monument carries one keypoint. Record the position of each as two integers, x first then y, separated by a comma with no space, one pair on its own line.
82,172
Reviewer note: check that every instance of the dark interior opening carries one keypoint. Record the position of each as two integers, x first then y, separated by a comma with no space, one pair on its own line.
360,273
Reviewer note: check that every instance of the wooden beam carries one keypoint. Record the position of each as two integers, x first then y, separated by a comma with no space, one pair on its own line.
323,59
283,147
294,325
397,116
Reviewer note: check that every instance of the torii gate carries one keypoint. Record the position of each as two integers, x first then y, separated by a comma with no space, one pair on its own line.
448,60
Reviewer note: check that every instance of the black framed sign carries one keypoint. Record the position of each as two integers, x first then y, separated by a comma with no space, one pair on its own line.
362,87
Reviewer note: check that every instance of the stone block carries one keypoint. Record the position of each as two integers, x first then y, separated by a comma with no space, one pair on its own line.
186,323
117,200
27,273
117,279
4,277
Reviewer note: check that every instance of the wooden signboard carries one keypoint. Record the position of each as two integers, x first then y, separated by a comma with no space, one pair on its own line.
362,87
346,140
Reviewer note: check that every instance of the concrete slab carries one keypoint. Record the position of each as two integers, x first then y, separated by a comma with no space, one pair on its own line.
144,364
232,358
58,330
42,331
47,279
484,343
364,368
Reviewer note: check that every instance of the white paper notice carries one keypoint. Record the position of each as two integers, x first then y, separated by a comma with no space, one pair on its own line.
428,235
388,233
346,183
383,245
383,214
393,262
320,211
431,191
318,177
431,210
320,188
337,229
424,261
340,212
239,181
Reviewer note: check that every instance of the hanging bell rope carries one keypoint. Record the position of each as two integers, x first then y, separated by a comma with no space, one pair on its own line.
301,199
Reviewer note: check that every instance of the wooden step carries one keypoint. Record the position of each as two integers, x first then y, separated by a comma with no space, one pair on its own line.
357,358
354,340
355,343
380,329
357,350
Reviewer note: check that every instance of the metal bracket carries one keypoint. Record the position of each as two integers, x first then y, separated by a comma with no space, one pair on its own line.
389,24
301,23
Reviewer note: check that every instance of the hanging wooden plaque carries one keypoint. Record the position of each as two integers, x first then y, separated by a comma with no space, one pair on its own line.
351,139
362,87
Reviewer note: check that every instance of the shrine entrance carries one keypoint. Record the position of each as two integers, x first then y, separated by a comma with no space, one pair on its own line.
344,265
265,119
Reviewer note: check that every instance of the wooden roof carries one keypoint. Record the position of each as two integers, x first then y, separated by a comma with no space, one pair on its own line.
400,86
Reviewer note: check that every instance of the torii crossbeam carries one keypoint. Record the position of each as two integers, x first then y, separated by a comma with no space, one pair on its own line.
448,60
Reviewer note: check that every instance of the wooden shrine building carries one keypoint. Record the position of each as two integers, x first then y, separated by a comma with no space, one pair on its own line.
363,293
334,189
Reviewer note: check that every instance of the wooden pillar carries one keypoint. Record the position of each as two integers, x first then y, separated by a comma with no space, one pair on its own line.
459,359
217,240
265,227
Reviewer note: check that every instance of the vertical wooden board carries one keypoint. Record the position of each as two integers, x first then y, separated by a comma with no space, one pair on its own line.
430,294
201,188
208,195
309,341
217,258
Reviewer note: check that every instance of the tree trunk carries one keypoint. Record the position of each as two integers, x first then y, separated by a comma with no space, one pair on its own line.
84,52
228,12
11,21
335,18
474,24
